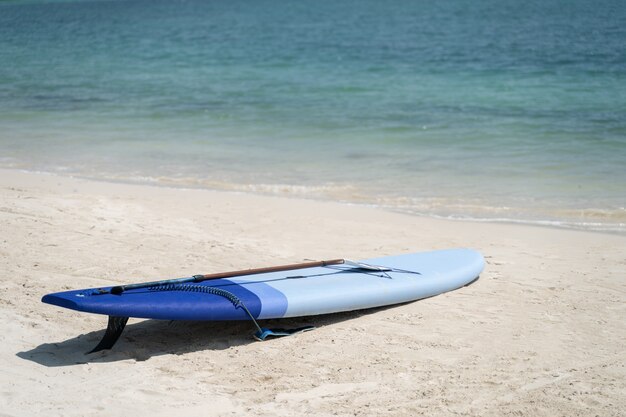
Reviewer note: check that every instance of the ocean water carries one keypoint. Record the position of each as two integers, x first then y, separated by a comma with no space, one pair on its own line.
497,110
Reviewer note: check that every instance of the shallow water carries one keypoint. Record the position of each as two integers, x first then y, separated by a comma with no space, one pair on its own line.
487,110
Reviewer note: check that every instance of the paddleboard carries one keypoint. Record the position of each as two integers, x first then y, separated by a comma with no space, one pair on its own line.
290,293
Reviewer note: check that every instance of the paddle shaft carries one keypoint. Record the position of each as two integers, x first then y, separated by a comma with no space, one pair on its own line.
117,290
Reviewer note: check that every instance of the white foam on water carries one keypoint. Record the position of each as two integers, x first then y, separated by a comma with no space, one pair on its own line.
477,210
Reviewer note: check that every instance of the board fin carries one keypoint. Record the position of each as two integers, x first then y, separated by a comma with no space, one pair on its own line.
113,332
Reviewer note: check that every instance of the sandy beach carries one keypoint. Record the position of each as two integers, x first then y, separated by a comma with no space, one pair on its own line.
541,333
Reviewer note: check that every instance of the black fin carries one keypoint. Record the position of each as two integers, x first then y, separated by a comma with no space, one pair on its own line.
114,330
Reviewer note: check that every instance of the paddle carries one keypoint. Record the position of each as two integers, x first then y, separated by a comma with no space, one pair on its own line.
119,289
116,324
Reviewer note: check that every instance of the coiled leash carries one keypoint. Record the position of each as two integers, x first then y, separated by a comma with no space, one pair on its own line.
116,325
260,334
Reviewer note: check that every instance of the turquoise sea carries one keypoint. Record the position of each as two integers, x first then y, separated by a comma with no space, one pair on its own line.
501,110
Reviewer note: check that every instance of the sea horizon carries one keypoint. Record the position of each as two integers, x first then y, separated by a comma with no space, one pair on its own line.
497,111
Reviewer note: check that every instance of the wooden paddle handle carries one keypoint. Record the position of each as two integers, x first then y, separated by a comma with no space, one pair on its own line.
119,289
268,269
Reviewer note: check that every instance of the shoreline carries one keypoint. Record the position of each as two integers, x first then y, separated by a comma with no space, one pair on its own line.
614,228
540,333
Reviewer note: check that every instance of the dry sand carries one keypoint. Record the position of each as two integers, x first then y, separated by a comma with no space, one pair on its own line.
541,333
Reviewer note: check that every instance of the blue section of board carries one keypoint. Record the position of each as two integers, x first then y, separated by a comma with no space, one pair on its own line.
174,305
294,293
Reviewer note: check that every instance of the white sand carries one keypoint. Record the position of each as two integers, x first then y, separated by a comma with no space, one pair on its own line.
542,333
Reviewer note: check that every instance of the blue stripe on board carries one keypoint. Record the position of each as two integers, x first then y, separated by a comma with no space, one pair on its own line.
177,305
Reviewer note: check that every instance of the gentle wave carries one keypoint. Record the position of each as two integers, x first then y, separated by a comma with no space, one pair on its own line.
591,219
588,219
